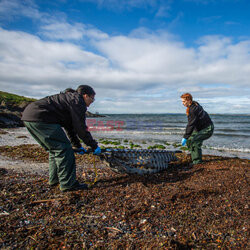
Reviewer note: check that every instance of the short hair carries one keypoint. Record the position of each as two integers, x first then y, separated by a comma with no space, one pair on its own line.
85,89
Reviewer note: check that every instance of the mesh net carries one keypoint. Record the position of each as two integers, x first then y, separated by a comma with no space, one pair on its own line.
139,161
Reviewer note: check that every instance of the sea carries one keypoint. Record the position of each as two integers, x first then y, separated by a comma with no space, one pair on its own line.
231,135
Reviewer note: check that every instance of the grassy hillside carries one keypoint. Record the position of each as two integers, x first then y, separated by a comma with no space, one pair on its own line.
13,102
12,99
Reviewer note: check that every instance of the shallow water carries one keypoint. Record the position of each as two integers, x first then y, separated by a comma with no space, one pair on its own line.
231,135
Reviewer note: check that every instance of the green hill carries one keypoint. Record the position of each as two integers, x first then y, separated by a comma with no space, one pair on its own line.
12,106
13,100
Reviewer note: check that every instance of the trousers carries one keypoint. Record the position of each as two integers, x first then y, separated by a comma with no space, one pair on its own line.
62,167
194,142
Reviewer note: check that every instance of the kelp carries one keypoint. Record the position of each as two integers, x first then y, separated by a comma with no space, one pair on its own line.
204,206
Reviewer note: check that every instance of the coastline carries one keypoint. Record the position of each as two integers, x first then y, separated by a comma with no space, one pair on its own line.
186,207
20,135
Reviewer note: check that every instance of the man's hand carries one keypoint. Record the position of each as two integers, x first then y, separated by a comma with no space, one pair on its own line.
80,151
97,151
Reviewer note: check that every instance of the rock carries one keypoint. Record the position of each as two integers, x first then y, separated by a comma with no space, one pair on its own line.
10,120
23,105
3,171
88,114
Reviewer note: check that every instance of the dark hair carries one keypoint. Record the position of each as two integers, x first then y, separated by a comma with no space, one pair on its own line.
85,89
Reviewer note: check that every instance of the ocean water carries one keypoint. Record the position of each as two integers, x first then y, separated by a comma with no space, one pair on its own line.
231,135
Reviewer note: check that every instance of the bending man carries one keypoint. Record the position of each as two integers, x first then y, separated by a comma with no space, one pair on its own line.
45,120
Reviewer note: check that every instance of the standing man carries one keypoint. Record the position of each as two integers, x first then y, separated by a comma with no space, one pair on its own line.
199,128
48,118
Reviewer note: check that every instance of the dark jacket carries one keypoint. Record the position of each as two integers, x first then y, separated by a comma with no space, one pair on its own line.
68,110
198,119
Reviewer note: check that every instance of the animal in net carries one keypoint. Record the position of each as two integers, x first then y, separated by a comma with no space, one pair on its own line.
139,161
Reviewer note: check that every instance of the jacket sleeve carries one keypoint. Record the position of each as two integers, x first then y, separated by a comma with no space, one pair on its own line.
192,120
78,114
72,137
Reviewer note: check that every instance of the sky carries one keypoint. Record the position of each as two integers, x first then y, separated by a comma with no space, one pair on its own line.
138,55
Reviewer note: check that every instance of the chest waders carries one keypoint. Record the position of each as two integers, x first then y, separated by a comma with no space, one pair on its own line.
195,141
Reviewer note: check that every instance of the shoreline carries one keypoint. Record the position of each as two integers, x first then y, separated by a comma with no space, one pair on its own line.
20,135
203,206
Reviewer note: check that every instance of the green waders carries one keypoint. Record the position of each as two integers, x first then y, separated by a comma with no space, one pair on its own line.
62,167
195,141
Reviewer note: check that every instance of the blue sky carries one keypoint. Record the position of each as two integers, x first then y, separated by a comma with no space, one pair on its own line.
139,55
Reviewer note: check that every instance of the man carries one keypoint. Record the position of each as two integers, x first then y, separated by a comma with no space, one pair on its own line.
48,118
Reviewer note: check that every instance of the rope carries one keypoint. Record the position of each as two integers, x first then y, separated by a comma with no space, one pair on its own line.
92,183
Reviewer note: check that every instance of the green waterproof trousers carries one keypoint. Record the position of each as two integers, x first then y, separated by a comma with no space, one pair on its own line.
195,141
62,167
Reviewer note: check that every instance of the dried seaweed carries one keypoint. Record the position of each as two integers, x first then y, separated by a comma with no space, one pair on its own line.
200,207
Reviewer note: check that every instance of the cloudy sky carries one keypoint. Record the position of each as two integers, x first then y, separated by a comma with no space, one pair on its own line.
139,55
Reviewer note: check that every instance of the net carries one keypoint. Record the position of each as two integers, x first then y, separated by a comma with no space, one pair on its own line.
139,161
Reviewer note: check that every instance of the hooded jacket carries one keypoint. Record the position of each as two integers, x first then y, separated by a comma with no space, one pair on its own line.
198,119
67,109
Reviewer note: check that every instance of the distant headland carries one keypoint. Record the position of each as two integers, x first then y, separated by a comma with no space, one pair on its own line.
12,106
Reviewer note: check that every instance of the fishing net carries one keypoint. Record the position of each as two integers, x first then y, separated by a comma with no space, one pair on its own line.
139,161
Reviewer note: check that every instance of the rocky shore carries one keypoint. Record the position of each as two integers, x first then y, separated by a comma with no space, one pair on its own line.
185,207
10,115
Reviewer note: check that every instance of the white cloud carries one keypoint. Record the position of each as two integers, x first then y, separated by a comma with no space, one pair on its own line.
142,72
61,30
26,60
232,104
15,8
151,57
164,11
53,26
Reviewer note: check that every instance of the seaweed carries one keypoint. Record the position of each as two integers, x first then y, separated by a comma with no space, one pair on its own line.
204,206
